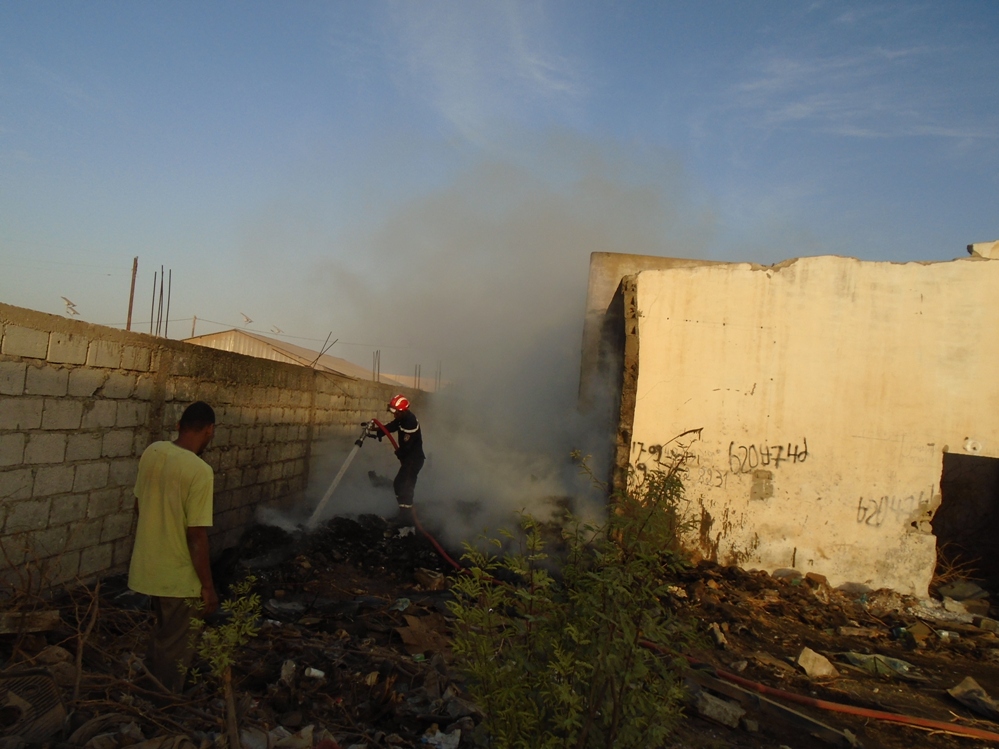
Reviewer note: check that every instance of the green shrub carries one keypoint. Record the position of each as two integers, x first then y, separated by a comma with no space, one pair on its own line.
558,660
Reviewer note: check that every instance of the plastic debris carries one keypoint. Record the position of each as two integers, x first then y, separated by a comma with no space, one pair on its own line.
400,605
437,738
882,665
971,695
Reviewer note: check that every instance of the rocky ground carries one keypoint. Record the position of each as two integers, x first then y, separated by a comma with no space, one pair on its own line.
353,651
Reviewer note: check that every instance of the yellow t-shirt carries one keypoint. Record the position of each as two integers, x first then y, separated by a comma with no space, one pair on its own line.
174,488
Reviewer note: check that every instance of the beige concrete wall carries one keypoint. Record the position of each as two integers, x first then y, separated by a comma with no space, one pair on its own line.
825,391
79,403
605,274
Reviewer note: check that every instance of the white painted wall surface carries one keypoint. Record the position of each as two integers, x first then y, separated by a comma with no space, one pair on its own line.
846,380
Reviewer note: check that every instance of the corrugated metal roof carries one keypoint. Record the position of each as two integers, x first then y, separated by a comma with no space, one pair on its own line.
262,347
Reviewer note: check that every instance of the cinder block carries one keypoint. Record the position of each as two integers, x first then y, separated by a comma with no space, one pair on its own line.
117,526
45,448
12,377
123,473
11,449
118,443
135,358
51,480
230,479
68,348
20,413
62,568
123,551
15,551
16,484
254,435
46,380
84,533
26,342
83,382
104,502
172,413
27,515
60,413
99,414
83,446
68,509
142,441
95,559
131,414
118,385
182,390
145,387
104,354
47,543
90,476
221,438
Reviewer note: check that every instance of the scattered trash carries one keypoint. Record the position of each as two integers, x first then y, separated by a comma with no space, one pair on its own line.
429,579
719,710
436,738
400,605
314,673
983,622
858,632
971,695
962,590
882,665
953,606
30,705
816,666
717,634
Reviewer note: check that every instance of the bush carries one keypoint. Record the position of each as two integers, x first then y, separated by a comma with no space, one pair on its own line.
559,661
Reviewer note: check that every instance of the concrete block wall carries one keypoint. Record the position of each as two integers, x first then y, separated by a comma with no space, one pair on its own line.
80,402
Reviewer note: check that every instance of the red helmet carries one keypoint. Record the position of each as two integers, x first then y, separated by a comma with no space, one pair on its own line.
398,403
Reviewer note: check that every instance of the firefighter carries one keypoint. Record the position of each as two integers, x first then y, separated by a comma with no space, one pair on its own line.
409,453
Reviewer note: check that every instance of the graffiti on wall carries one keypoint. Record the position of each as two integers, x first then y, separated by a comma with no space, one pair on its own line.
660,457
873,511
747,458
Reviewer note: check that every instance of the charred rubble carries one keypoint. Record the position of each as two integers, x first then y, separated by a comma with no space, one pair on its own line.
353,651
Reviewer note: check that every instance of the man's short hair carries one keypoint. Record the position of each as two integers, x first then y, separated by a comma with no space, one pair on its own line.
196,417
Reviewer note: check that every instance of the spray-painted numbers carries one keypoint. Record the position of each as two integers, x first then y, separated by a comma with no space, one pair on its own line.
663,456
747,458
873,511
707,476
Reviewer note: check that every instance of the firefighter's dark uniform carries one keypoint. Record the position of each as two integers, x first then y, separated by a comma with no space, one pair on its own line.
411,457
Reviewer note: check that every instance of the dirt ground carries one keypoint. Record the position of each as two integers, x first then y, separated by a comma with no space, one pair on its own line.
354,651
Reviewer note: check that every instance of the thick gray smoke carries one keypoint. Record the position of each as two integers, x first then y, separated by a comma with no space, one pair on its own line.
488,275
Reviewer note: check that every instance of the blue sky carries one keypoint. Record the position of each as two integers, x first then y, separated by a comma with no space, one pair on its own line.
429,178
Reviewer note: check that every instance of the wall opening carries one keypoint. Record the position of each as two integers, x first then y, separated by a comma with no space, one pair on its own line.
966,522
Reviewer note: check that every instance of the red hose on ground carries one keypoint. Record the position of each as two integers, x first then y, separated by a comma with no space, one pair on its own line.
433,541
837,707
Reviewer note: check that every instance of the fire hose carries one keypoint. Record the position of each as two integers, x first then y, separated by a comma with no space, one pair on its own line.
367,427
836,707
925,723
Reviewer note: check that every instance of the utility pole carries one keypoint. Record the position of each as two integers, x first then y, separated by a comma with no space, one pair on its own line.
152,305
131,293
194,322
166,323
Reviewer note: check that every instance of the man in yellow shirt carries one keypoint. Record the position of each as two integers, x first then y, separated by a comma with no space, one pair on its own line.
170,558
